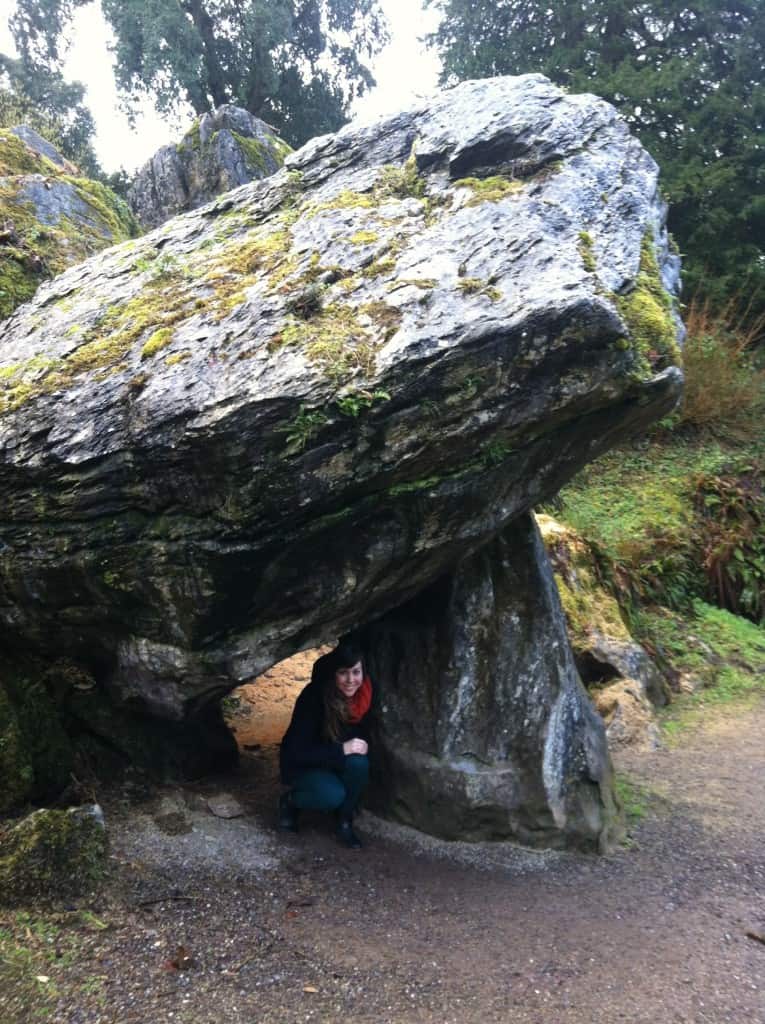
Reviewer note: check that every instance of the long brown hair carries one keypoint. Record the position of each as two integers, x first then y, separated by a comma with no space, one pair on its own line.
335,703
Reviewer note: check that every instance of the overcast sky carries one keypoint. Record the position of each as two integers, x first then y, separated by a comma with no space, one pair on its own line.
404,70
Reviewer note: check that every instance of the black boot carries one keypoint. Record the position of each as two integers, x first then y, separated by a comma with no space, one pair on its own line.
346,835
288,813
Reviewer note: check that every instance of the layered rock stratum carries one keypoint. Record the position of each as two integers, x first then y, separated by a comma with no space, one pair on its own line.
287,414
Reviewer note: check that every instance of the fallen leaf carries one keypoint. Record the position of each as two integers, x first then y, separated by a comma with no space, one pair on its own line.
310,988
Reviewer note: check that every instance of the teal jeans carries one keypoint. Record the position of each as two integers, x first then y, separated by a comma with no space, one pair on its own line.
318,790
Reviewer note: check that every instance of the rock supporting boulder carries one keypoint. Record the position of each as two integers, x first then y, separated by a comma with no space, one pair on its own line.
223,149
485,728
283,415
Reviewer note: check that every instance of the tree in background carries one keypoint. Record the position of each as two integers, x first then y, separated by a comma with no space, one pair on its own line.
688,78
297,64
53,107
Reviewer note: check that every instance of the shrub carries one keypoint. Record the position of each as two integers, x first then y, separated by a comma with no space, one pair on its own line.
731,535
724,389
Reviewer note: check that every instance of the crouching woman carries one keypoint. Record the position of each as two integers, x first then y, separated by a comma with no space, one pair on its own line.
324,753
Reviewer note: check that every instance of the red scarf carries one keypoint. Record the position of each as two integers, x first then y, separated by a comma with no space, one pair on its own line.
359,703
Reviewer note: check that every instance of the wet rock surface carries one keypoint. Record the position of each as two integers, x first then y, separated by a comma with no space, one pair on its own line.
225,148
485,728
278,417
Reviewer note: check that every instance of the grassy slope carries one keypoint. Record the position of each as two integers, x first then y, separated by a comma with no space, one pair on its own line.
636,505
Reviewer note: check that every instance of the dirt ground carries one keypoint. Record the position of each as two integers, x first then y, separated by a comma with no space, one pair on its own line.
209,920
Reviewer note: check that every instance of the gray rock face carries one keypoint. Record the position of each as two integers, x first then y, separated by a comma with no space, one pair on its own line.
39,144
225,148
280,416
485,727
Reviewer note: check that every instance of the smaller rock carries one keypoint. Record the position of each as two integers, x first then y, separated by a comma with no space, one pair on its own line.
223,805
171,817
225,148
628,715
52,853
689,682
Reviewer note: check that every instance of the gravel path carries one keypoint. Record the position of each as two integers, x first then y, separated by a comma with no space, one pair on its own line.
209,920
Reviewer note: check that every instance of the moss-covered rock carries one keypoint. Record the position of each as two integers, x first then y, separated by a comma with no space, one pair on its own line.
50,219
604,649
52,854
221,150
647,310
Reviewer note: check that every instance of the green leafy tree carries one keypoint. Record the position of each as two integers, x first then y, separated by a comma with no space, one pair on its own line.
688,77
296,63
54,108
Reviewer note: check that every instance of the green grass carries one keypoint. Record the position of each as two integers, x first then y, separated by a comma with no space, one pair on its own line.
632,495
726,650
35,946
634,797
637,505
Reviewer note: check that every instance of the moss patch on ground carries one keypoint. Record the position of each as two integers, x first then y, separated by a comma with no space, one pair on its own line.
37,953
727,649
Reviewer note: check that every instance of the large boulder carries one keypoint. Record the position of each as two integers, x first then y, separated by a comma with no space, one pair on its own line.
50,216
224,148
278,417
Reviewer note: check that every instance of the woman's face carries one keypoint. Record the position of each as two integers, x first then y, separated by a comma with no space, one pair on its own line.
348,680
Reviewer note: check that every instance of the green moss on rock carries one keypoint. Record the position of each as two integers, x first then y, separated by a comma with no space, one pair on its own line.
52,854
18,158
489,190
647,312
586,252
333,339
588,605
160,339
31,251
257,154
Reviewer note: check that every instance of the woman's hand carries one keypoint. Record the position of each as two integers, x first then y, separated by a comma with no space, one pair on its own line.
355,746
